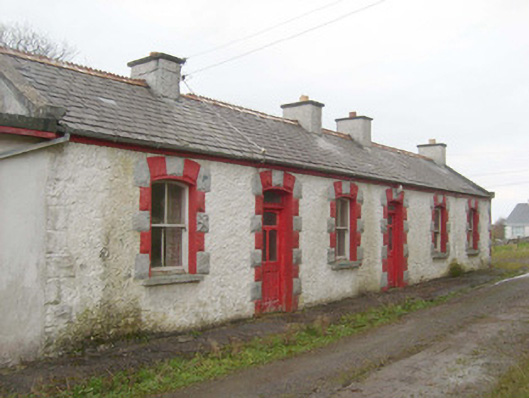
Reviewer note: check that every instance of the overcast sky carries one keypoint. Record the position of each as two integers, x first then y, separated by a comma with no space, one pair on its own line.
454,70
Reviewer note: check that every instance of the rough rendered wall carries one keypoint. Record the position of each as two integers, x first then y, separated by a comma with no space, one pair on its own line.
225,292
319,282
93,200
22,257
91,246
421,264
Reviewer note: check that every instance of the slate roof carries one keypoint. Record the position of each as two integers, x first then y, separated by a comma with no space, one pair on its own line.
107,106
519,215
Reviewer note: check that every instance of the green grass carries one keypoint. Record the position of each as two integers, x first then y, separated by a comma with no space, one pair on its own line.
181,372
512,257
514,383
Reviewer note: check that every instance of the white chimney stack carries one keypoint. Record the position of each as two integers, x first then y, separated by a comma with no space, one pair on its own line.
358,128
161,72
307,112
434,151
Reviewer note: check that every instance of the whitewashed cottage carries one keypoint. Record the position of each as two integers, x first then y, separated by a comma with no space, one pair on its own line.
123,199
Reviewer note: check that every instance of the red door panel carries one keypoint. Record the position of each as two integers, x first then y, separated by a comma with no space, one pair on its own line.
395,245
270,261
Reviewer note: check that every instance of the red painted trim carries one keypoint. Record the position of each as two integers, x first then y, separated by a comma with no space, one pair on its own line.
355,213
396,263
145,199
28,132
289,239
196,203
257,164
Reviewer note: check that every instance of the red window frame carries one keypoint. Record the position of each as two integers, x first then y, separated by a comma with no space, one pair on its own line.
354,208
195,204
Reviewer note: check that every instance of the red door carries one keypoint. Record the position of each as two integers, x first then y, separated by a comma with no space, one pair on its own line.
277,252
395,245
271,260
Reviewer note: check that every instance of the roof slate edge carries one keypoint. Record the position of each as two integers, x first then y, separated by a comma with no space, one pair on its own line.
472,183
262,161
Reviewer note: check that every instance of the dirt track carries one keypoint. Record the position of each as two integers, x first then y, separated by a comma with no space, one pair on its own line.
456,349
298,375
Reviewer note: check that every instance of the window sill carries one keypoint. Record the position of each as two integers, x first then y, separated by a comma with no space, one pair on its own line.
472,252
172,279
439,255
339,265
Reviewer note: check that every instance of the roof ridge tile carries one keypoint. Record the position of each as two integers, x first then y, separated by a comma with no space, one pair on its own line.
70,65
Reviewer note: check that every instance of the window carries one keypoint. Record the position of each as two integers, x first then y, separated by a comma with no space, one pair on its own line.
440,227
518,232
437,221
168,223
342,228
472,229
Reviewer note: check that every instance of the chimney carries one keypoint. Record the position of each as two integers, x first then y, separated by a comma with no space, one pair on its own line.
358,128
161,71
307,112
434,151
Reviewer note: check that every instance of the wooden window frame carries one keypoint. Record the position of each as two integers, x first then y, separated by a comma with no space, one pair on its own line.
473,235
344,203
345,193
183,267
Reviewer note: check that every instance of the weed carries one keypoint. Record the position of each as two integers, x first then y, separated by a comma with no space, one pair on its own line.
514,383
455,269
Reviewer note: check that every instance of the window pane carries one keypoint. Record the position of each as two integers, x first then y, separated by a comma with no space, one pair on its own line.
156,247
341,236
437,220
273,246
173,247
390,237
437,240
342,213
264,245
269,218
158,202
272,197
175,207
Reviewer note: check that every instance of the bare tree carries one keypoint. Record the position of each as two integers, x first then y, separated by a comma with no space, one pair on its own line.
25,38
498,229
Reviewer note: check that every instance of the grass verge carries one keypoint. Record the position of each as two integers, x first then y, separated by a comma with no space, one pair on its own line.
180,372
514,383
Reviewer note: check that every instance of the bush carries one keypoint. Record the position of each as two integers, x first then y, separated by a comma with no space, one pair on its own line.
455,269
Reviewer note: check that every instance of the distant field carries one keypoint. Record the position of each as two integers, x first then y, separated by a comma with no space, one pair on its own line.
511,257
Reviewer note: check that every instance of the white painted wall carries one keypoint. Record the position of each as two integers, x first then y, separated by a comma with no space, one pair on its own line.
509,234
319,282
22,255
84,262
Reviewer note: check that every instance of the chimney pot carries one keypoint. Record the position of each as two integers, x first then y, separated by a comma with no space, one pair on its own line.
161,72
307,112
352,114
431,141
